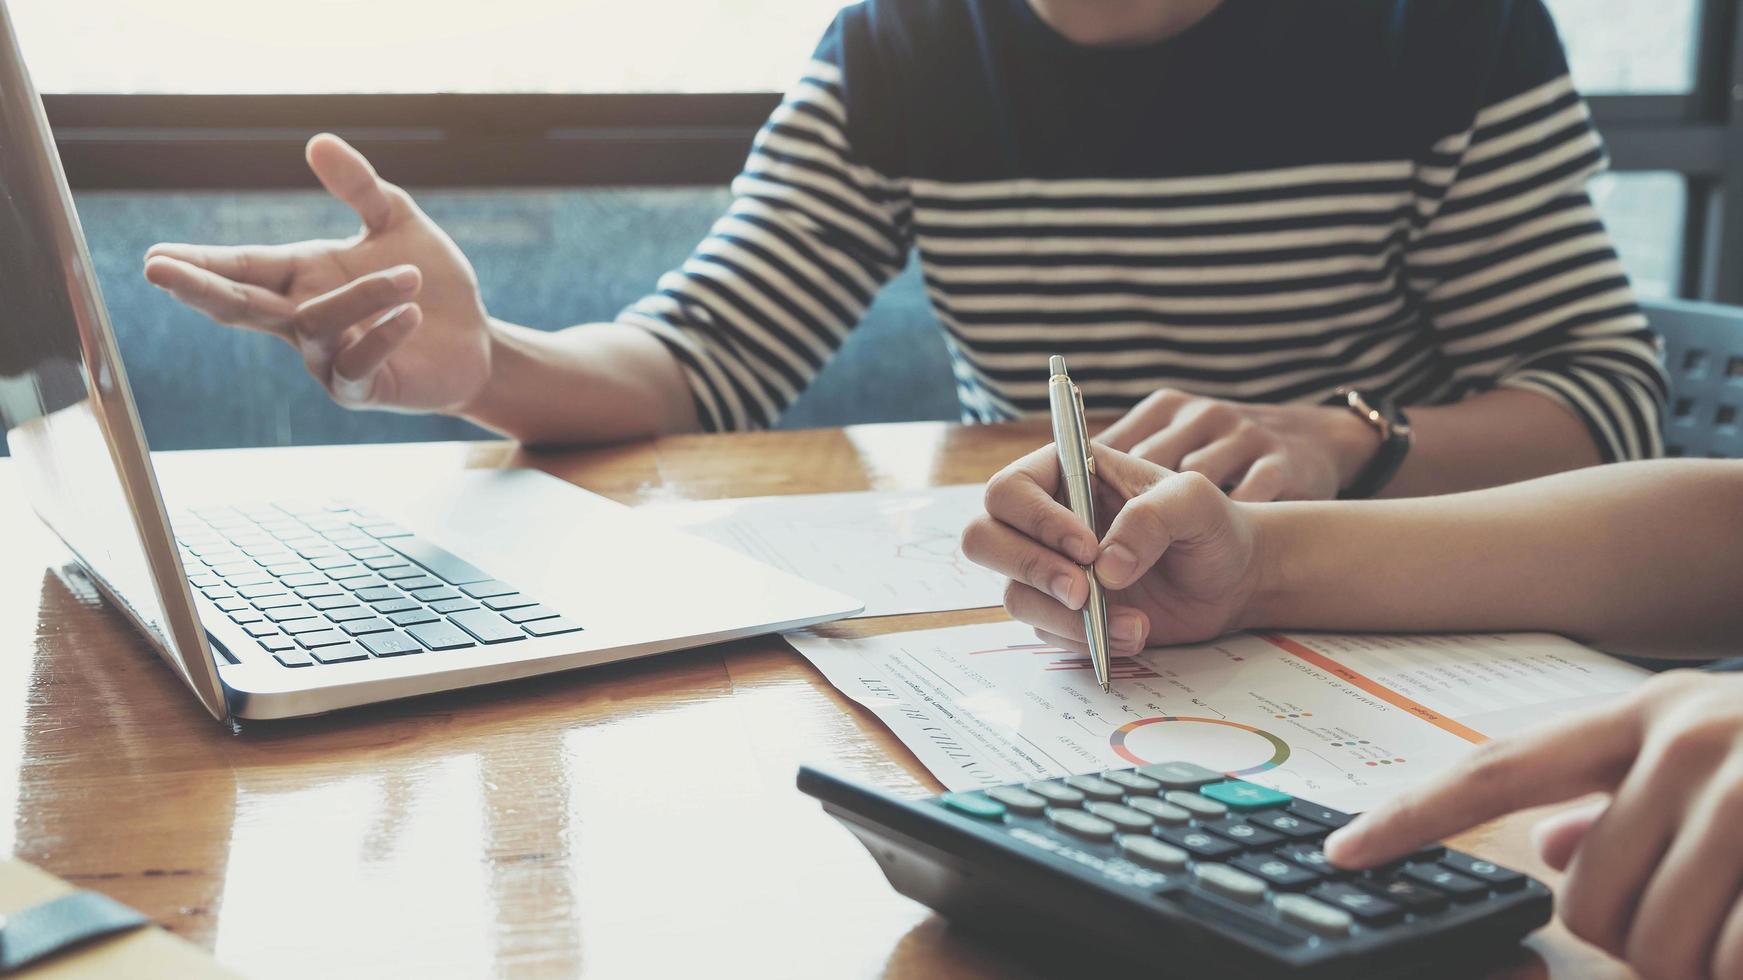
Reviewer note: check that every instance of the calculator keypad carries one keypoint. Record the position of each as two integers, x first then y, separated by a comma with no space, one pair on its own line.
1170,827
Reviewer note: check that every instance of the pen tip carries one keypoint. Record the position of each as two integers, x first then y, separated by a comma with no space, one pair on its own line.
1056,364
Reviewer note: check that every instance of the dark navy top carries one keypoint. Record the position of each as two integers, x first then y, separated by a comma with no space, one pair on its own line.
1290,196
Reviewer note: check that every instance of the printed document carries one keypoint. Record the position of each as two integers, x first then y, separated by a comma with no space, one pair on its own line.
1341,720
897,551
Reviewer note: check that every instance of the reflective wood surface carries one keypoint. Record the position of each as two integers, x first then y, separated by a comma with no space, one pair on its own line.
635,820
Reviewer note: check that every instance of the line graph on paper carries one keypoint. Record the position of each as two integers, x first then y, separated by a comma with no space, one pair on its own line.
898,552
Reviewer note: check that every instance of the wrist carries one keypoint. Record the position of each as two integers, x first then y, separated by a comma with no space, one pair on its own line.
1267,575
497,351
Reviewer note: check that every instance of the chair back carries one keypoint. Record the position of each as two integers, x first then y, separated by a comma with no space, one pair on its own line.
1703,354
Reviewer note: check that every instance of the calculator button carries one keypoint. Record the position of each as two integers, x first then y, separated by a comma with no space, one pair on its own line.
1082,824
1162,811
277,644
1287,824
1277,872
1313,916
1179,775
1309,857
974,805
1224,880
1153,853
1123,817
1503,879
1200,844
1240,795
1417,898
1241,832
1323,815
1133,782
1056,794
1460,887
1201,807
1019,800
1096,787
1369,910
293,658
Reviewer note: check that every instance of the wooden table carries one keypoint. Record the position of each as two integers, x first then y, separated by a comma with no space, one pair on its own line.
632,820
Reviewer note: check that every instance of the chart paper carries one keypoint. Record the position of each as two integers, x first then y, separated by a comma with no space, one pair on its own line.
1343,720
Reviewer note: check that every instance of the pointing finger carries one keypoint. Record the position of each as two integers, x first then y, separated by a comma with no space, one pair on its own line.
1566,760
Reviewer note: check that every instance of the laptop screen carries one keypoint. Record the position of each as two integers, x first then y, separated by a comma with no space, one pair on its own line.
65,407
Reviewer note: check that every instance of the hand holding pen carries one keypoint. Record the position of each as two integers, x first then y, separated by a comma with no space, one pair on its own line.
1175,557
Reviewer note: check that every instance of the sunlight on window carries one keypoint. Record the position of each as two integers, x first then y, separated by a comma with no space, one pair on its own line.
1645,214
1629,46
332,46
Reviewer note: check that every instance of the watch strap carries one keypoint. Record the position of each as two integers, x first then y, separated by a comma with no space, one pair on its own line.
42,930
1387,460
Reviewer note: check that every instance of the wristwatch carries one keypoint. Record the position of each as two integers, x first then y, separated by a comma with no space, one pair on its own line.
1395,438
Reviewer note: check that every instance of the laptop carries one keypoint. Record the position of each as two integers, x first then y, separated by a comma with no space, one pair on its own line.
270,607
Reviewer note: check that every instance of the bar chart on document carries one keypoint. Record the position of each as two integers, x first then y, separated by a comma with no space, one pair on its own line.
1344,720
897,551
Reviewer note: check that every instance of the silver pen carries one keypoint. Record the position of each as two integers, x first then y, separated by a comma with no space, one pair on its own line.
1077,465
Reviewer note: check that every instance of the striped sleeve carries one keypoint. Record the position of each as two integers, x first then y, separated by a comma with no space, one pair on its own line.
771,293
1519,276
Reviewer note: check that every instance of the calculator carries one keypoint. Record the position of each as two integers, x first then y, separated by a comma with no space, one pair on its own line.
1186,871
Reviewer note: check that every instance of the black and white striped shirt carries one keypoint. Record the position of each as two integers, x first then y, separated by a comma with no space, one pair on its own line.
1291,196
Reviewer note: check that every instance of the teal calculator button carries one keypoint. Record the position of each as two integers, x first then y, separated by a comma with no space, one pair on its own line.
974,805
1239,795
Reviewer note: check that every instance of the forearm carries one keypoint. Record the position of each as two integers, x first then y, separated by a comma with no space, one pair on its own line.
601,382
1639,556
1490,439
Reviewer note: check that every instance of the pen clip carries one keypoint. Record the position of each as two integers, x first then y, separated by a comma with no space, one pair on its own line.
1083,429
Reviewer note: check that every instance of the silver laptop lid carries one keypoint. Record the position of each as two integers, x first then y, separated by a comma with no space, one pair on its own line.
64,401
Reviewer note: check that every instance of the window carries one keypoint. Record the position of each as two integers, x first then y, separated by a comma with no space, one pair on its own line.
1633,46
1645,214
411,46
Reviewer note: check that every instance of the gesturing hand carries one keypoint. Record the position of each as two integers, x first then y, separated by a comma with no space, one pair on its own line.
1655,873
1256,452
389,318
1178,555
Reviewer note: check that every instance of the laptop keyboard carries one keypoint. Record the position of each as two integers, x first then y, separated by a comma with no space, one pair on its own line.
331,583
